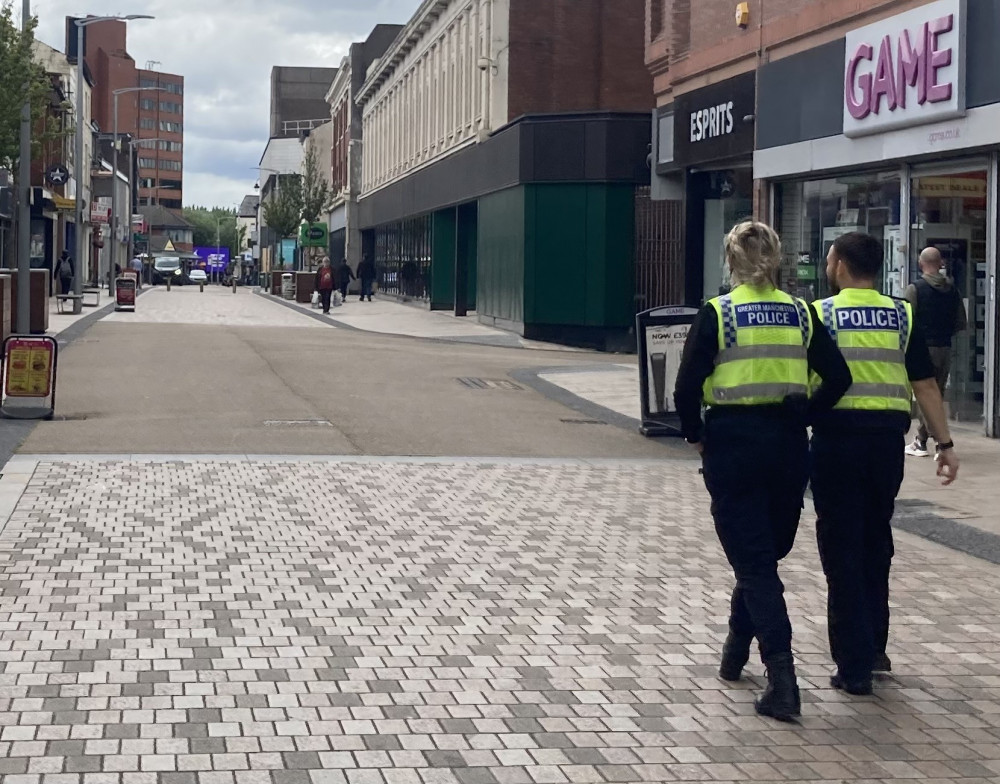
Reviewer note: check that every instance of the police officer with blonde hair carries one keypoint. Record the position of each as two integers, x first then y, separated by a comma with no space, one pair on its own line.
857,453
748,359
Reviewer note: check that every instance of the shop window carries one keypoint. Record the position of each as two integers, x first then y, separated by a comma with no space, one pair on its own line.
812,214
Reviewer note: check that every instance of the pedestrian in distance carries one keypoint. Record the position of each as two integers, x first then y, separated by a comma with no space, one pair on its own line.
366,274
344,277
136,265
748,358
324,283
939,311
65,271
857,454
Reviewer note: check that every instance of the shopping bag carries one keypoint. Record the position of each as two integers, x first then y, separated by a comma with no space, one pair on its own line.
315,299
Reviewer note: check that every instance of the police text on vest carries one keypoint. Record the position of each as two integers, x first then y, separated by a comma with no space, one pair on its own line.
767,314
860,319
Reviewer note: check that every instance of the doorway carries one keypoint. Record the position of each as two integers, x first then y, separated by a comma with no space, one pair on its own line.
949,210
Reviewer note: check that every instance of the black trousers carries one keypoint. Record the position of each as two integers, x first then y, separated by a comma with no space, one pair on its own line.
343,290
756,470
324,298
855,479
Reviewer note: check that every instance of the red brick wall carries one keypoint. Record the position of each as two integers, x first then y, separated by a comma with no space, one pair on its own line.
578,55
719,48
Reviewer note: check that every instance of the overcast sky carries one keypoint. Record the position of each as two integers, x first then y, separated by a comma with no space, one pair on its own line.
225,51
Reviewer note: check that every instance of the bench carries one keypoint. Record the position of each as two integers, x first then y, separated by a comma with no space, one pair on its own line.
62,299
91,292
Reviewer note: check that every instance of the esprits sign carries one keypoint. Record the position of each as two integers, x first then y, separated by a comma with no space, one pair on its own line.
906,70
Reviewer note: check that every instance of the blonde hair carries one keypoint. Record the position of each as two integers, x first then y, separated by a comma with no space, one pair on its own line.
753,252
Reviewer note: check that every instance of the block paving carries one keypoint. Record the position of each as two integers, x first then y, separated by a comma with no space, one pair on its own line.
262,621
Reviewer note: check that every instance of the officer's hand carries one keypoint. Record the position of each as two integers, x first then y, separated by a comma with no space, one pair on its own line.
947,466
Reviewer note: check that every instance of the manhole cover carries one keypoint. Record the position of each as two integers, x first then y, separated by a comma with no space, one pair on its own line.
297,423
490,383
582,422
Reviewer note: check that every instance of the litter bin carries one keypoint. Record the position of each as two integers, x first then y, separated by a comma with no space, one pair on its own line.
287,285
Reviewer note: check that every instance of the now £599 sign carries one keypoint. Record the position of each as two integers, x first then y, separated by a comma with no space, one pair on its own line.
906,70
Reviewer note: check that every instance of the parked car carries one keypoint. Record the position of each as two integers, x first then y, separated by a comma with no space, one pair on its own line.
198,276
168,267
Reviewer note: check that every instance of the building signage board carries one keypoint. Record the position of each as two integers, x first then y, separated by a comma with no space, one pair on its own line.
100,210
716,122
906,70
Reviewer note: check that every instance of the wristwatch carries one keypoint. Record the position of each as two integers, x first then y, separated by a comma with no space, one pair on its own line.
946,445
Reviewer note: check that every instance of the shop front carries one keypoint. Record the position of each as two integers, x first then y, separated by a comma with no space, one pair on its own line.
713,149
893,130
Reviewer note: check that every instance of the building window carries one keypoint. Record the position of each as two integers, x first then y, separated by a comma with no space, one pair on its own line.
665,139
147,163
655,19
147,82
170,106
173,87
171,146
171,165
174,185
811,215
171,204
147,124
147,182
681,28
171,127
147,103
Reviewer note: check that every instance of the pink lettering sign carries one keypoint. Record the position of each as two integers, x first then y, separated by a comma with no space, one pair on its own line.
905,70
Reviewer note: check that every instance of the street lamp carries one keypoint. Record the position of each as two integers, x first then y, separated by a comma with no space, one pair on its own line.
78,162
114,186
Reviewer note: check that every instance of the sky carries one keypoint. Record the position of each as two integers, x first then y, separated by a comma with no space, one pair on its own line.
225,50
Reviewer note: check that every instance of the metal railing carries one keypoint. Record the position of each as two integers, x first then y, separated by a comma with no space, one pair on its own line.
659,251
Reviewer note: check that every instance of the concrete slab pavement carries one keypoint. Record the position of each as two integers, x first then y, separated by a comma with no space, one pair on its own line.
181,620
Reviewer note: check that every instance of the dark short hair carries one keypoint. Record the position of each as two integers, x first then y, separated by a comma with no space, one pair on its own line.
862,253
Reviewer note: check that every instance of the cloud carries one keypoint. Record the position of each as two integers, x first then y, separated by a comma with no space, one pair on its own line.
225,51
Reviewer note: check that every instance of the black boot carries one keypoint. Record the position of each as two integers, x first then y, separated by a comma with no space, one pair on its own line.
735,655
780,699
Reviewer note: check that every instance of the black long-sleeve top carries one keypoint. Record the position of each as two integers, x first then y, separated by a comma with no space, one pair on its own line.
698,363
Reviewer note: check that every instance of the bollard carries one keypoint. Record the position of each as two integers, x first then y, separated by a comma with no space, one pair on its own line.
234,284
168,283
201,286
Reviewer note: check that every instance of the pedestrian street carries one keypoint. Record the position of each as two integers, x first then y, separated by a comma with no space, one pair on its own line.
181,620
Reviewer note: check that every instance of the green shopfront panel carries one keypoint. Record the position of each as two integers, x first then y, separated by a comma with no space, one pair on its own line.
500,279
580,255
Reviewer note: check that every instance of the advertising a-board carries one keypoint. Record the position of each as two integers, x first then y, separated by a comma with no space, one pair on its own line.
28,377
662,333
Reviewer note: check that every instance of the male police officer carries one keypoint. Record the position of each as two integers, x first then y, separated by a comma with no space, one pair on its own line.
857,451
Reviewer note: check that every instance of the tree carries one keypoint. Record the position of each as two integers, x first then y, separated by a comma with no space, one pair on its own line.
206,222
20,77
283,211
315,192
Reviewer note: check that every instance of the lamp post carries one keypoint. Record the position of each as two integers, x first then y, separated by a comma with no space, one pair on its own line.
78,156
23,292
114,183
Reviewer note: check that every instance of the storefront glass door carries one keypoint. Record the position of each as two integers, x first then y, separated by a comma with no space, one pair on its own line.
949,211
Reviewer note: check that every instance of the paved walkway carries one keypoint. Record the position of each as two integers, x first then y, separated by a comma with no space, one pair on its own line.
973,500
215,306
388,316
185,621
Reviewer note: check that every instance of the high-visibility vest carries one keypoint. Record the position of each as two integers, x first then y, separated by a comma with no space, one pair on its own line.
873,332
764,335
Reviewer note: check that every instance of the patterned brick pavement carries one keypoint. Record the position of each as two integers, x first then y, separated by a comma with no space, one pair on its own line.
323,622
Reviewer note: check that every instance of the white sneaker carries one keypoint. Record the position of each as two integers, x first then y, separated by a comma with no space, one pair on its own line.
916,449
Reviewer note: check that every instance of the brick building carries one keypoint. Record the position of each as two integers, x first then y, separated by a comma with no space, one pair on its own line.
831,116
504,141
155,115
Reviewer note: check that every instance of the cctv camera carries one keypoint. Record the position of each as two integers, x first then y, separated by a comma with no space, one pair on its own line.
484,63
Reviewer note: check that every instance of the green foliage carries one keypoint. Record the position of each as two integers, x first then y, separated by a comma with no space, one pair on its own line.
315,189
283,210
206,222
20,77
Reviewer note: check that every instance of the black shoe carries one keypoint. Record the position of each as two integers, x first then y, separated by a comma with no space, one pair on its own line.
882,663
735,655
859,688
780,699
